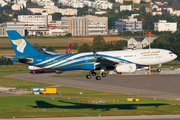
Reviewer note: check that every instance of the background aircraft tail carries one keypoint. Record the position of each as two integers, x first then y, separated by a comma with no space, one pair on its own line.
68,49
21,47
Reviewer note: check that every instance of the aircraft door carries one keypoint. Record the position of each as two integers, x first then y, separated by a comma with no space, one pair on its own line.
86,59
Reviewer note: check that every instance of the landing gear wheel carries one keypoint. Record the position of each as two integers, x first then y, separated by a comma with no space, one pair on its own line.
58,71
159,69
34,72
103,74
88,76
93,73
98,77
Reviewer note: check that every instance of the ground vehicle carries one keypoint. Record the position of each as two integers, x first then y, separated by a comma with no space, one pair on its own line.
49,91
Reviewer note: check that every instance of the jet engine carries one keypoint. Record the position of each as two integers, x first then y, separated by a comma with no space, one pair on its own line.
126,68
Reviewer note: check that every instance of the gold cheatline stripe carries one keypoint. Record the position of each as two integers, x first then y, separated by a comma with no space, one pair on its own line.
56,61
80,64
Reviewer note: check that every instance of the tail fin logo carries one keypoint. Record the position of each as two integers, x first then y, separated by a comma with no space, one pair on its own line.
21,44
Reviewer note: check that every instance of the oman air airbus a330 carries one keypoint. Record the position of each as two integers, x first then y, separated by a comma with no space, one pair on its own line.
120,60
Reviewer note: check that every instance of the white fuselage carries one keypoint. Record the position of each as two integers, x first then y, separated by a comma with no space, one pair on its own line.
141,56
138,57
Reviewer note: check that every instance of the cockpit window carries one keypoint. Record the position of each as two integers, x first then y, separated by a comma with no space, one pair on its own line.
170,53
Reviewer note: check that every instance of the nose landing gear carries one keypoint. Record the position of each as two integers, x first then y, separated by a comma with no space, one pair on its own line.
159,69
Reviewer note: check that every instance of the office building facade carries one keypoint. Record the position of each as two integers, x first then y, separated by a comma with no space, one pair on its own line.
35,21
85,26
163,25
129,25
18,26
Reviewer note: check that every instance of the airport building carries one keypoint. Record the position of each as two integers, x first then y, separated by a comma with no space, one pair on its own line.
35,21
18,26
163,25
85,26
129,25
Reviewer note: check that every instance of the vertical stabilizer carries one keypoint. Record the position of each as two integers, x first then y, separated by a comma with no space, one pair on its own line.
68,49
21,47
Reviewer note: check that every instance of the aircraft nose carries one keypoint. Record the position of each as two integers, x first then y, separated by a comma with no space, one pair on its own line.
174,56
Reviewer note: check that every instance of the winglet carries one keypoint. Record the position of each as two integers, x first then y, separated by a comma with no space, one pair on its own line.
44,49
95,55
49,52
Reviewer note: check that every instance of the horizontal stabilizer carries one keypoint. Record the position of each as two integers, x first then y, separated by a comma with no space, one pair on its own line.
22,60
10,57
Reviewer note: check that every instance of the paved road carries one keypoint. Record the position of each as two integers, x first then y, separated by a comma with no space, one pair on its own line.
140,117
158,86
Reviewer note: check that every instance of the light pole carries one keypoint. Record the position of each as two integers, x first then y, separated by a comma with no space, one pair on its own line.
149,33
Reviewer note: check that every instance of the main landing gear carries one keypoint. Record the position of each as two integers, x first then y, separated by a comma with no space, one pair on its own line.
92,73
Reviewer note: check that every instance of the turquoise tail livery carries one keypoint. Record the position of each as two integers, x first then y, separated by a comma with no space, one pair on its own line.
21,47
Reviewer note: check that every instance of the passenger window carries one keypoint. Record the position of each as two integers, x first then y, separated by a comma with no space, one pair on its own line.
170,53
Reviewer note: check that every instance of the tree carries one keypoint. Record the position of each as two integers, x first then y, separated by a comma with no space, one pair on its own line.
127,2
74,46
5,18
30,3
83,11
56,16
6,7
22,12
50,48
68,35
120,44
39,48
142,10
170,2
84,48
5,61
170,41
98,43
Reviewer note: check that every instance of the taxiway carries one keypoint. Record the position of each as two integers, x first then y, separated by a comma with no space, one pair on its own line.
157,86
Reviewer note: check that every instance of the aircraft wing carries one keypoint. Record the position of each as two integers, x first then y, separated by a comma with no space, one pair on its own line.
104,60
49,52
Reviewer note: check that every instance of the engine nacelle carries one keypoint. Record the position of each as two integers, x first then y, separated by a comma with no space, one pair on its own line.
126,68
